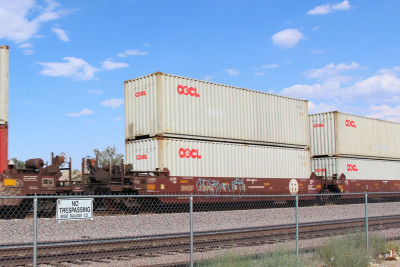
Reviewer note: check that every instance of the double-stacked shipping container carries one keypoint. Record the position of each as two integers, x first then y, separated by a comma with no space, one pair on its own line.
4,69
211,131
366,150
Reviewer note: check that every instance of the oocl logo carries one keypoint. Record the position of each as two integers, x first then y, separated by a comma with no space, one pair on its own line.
142,93
318,125
140,157
350,123
189,153
352,168
184,90
320,170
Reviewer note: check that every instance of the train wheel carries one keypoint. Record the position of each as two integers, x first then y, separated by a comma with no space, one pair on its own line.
23,209
111,205
46,208
130,205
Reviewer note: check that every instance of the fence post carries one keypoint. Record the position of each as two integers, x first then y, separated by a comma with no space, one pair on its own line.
297,229
366,219
35,204
191,230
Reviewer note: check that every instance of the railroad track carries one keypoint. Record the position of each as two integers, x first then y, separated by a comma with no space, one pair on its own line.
97,249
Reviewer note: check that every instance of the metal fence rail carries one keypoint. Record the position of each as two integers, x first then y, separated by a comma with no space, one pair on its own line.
181,228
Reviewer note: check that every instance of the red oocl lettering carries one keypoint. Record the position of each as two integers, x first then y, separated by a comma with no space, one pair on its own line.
350,123
320,170
318,125
184,90
189,153
142,93
352,168
139,157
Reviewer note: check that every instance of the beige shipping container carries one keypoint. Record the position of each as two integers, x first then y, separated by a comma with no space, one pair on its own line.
166,105
4,62
217,159
335,134
357,168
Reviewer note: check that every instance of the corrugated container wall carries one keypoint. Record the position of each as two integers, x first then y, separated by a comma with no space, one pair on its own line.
334,134
4,59
357,168
217,159
162,104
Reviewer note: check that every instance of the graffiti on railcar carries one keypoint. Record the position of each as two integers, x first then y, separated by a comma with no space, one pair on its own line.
215,187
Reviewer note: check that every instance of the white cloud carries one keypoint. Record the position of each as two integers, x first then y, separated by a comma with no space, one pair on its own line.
21,20
28,51
260,73
95,92
385,112
117,119
330,78
287,38
317,52
393,71
25,45
114,102
61,34
208,78
75,68
393,99
319,108
328,8
316,91
332,71
110,65
83,112
383,84
380,89
232,72
270,66
134,52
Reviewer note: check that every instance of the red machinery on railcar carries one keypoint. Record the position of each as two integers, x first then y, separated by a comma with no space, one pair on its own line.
36,178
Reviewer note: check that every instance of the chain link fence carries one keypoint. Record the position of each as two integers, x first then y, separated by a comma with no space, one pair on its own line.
120,230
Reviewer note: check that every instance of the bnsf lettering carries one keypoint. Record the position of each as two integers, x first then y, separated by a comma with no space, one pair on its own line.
320,170
318,125
139,157
142,93
350,123
352,168
184,90
189,153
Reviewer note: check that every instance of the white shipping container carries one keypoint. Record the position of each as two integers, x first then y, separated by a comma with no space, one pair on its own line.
217,159
4,62
162,104
357,168
334,134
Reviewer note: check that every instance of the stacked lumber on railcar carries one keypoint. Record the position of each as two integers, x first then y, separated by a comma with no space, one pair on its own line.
204,130
366,150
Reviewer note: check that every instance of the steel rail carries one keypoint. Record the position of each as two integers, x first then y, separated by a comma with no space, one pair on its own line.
141,245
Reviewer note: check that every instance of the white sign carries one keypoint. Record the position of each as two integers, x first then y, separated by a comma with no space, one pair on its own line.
293,187
75,209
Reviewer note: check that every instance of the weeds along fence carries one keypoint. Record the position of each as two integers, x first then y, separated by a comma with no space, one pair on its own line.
182,229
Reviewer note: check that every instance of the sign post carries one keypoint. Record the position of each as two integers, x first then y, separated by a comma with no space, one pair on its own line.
74,209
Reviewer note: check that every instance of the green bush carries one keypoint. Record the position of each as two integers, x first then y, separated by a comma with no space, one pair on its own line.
281,258
350,250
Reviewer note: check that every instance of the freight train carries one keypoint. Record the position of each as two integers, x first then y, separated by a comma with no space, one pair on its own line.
185,136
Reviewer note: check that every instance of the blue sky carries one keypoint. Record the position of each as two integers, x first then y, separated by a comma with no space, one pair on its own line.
69,59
